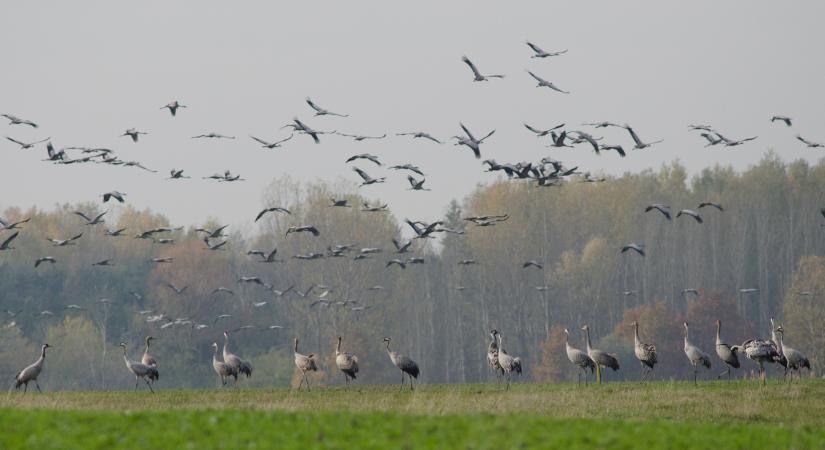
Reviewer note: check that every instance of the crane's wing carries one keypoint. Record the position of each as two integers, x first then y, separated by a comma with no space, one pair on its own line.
472,66
76,237
633,135
532,129
5,243
362,174
488,135
83,216
313,105
261,141
470,135
535,48
538,78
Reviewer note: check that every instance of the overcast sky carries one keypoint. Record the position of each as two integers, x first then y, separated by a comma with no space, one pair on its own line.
86,71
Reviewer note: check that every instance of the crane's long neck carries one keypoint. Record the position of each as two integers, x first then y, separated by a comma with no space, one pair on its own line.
389,352
718,332
225,344
338,348
636,334
125,357
215,354
687,339
493,343
587,338
147,346
778,340
296,345
43,353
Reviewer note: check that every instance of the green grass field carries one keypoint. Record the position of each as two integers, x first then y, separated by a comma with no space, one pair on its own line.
740,414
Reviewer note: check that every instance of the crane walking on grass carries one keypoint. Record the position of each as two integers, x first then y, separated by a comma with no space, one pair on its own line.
508,363
695,355
404,363
601,358
727,353
305,363
346,362
30,373
139,370
579,358
492,356
645,352
149,360
221,368
238,365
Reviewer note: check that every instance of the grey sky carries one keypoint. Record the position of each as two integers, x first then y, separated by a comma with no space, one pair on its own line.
86,71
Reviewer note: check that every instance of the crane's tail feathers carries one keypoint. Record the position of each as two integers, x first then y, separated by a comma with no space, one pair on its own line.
517,365
246,369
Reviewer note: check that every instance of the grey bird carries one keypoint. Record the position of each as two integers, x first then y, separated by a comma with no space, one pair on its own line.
409,167
419,135
92,220
14,120
492,356
302,229
809,144
221,368
601,358
27,145
477,76
346,362
578,358
271,145
272,209
541,133
645,352
725,352
532,263
31,372
64,242
539,53
361,137
212,135
416,185
785,119
236,363
139,370
173,107
732,142
113,195
9,225
133,133
664,209
321,111
712,204
638,248
639,144
43,259
367,179
544,83
509,364
691,213
404,363
796,361
696,356
470,141
304,363
366,156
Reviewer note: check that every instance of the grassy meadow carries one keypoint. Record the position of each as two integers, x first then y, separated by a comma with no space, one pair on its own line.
738,414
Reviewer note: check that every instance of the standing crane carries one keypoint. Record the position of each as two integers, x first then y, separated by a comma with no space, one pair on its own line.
346,362
727,353
149,360
404,363
235,362
139,370
600,357
508,363
796,360
305,364
645,352
221,368
492,356
579,358
31,372
695,355
761,351
783,361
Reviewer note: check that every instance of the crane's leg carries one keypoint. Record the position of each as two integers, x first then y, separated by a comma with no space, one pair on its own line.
694,376
38,386
137,381
307,378
598,374
149,385
25,388
412,388
402,380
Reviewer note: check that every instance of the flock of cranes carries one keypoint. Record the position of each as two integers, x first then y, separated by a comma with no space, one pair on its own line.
547,172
